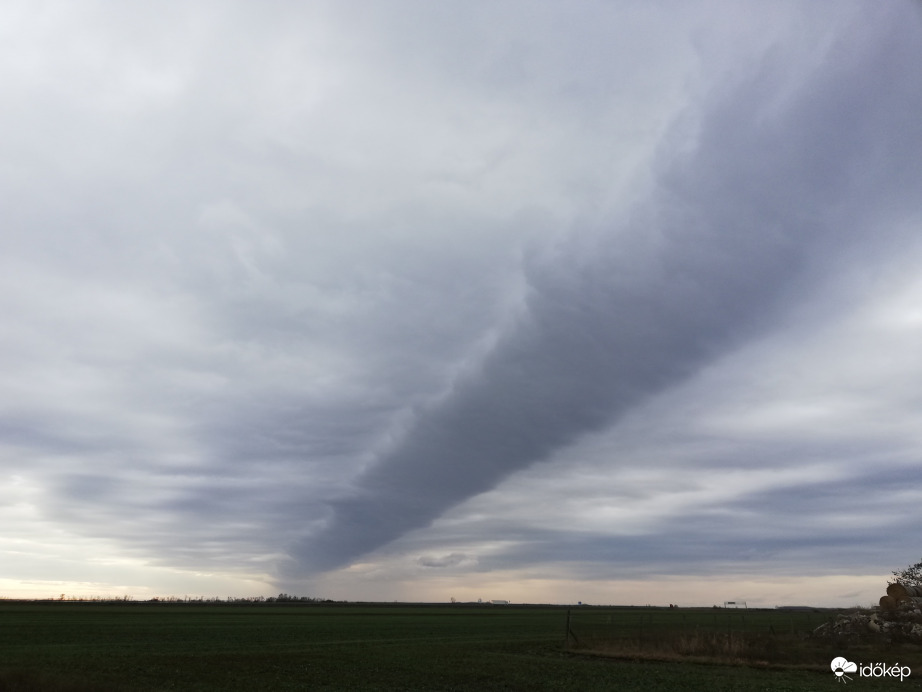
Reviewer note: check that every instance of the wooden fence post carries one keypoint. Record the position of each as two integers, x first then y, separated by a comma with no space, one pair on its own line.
566,638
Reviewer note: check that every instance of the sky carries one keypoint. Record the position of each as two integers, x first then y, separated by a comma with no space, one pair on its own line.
611,302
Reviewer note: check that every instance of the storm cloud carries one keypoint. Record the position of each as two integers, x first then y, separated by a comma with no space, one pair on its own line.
417,300
775,190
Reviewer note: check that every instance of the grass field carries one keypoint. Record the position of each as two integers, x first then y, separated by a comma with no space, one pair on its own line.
157,646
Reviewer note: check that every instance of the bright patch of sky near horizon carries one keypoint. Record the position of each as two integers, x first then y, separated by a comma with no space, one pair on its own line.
416,300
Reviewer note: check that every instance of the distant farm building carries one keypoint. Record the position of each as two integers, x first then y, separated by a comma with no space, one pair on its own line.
497,601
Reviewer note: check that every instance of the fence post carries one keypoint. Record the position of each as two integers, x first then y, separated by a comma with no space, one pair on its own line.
570,633
566,639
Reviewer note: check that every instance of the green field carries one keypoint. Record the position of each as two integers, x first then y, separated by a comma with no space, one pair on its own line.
158,646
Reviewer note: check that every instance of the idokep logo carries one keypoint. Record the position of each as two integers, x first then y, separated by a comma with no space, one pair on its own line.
840,666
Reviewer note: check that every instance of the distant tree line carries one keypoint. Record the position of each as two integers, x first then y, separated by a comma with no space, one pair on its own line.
281,598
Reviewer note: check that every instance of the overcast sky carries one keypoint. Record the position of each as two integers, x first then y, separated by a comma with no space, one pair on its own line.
618,302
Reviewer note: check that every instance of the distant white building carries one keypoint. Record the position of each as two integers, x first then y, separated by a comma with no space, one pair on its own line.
497,601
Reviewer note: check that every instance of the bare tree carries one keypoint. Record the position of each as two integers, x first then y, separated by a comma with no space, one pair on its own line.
910,576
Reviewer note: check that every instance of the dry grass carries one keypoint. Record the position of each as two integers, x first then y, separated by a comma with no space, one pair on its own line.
758,650
698,646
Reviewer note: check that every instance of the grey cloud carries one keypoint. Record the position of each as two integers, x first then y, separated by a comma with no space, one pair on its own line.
284,279
827,509
732,234
772,534
441,562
